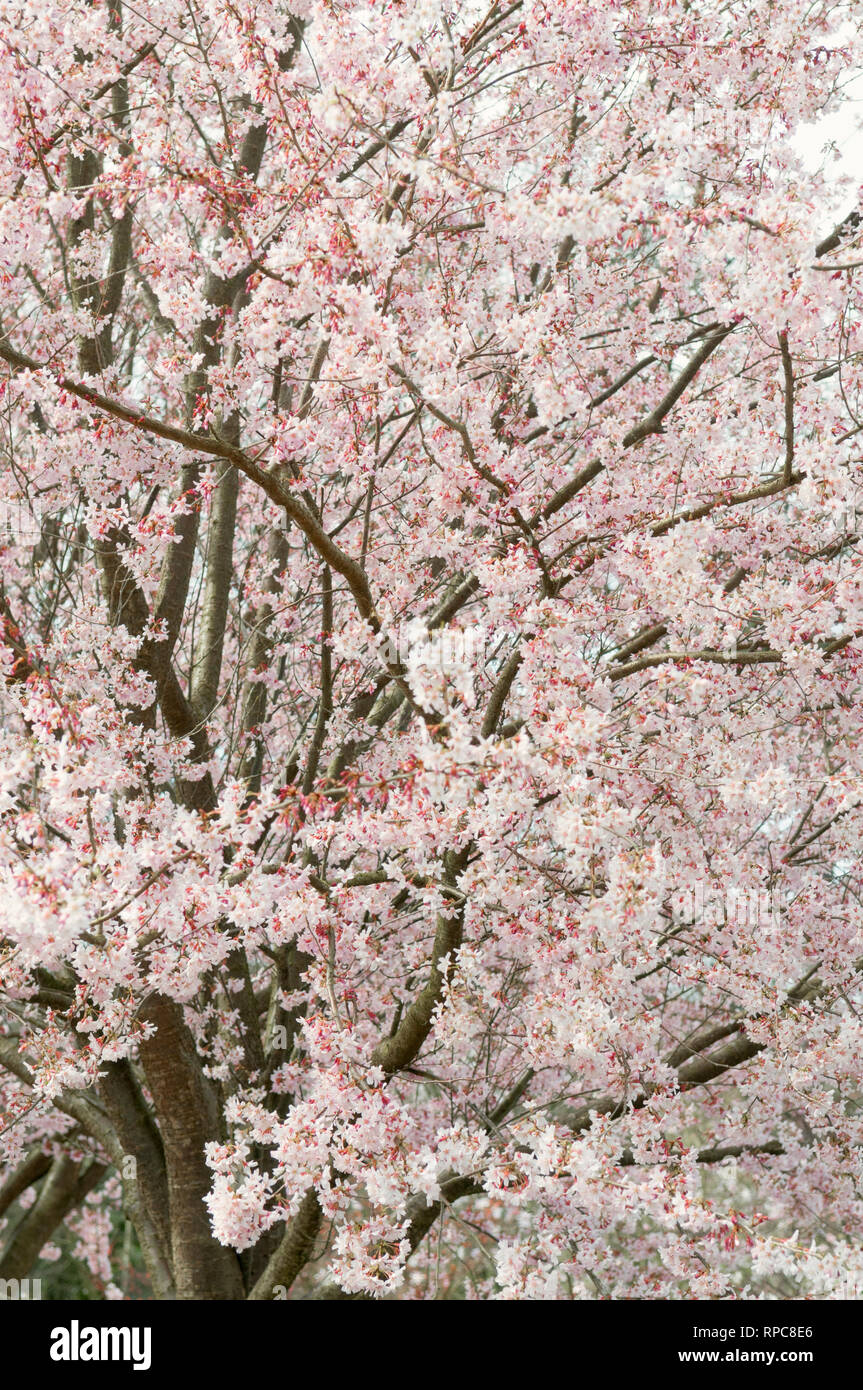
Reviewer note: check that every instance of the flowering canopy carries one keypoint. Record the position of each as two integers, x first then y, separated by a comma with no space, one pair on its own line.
430,773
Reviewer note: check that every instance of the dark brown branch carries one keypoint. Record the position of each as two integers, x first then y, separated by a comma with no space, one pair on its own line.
293,1251
398,1051
789,408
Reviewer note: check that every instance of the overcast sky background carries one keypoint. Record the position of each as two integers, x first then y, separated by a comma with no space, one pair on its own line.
844,131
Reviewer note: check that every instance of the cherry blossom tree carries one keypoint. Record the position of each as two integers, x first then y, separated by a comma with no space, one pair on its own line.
431,639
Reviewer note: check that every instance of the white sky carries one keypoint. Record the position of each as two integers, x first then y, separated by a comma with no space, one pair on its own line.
843,131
